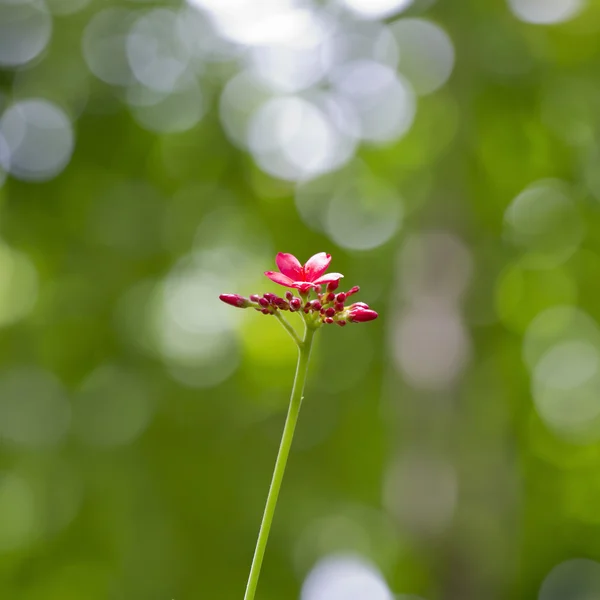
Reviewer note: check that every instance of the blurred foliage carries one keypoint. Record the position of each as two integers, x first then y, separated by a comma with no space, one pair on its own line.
453,444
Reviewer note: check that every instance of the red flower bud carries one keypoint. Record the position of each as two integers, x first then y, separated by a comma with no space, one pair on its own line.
339,306
235,300
352,291
289,295
254,297
329,320
341,297
265,311
333,285
270,297
315,305
263,302
295,303
330,297
330,311
360,313
341,323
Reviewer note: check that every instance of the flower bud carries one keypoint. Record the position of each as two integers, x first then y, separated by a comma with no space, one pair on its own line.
265,311
339,306
254,297
263,302
295,303
269,297
352,291
341,323
315,305
329,320
360,313
341,297
333,285
330,297
289,295
330,311
235,300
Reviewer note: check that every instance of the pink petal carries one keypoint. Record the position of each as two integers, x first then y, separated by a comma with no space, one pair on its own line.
279,278
328,278
316,265
289,265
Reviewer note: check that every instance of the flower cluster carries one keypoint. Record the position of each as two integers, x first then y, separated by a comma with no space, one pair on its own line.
318,300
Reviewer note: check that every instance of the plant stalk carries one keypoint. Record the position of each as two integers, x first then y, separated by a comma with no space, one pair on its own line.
304,349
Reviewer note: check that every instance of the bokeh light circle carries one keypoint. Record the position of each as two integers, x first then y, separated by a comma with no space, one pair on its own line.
300,60
546,12
104,45
364,214
565,386
431,346
575,579
198,346
384,102
376,9
545,222
157,54
353,41
357,209
345,578
39,139
292,138
25,30
558,325
241,97
426,53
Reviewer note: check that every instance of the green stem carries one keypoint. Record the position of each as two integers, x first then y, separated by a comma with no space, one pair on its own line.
304,348
288,328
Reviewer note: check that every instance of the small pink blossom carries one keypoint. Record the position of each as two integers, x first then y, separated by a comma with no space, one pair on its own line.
303,277
325,307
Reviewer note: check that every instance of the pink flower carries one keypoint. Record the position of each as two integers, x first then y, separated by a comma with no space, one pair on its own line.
295,275
359,312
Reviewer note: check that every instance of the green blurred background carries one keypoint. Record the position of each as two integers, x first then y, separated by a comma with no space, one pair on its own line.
156,154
